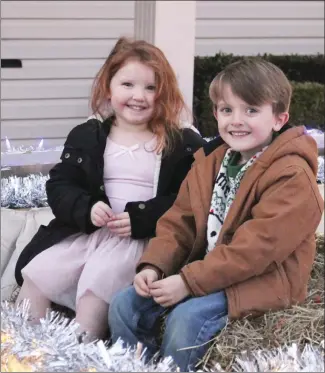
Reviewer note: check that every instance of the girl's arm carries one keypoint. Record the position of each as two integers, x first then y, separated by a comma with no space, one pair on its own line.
67,191
145,214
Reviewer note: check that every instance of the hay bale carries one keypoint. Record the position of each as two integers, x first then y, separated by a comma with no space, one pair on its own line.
301,324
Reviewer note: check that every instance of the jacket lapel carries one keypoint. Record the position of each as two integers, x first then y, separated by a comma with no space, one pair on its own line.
167,164
201,187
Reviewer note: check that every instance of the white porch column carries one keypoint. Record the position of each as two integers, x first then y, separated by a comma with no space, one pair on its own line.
170,25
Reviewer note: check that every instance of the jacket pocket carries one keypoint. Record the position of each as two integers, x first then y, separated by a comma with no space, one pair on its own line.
260,294
80,160
74,156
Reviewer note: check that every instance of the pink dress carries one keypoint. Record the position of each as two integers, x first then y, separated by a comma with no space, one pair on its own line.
100,262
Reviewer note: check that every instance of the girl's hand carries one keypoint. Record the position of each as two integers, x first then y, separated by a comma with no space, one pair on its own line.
120,225
169,291
143,280
100,214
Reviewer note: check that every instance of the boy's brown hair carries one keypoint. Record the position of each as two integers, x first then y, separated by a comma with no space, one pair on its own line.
255,81
169,102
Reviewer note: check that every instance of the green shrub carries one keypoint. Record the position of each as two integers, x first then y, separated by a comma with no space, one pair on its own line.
307,108
305,72
307,105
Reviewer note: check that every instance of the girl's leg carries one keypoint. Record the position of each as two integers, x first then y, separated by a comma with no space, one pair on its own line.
38,301
134,319
91,315
190,326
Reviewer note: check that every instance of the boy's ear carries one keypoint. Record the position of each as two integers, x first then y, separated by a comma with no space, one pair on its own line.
215,112
282,119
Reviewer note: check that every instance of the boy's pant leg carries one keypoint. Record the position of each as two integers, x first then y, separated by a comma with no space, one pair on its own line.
132,318
192,324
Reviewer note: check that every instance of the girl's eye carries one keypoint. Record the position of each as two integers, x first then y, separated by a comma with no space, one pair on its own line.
251,111
151,88
225,110
127,84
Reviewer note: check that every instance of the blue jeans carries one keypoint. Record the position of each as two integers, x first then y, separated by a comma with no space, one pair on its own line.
191,323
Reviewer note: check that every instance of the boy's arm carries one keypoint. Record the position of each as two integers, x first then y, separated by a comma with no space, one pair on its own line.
175,237
288,212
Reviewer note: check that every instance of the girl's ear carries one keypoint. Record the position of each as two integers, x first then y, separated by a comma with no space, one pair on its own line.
281,120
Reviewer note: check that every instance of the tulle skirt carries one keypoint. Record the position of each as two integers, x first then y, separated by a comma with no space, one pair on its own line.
100,262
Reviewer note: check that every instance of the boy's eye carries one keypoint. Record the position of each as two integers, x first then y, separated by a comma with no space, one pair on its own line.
225,110
127,84
251,111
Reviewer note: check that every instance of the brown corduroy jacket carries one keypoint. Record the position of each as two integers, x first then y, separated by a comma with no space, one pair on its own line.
266,247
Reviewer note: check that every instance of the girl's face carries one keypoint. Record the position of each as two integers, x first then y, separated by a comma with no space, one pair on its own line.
245,128
132,94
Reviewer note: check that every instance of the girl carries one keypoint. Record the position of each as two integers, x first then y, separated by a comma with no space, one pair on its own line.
115,180
240,237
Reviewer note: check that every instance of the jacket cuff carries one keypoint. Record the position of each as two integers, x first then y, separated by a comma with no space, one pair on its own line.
141,225
186,284
142,267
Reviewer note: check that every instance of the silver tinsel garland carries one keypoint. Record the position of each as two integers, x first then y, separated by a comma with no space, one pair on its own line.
52,347
29,191
320,173
24,192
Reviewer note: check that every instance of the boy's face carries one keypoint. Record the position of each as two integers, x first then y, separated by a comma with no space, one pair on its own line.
245,128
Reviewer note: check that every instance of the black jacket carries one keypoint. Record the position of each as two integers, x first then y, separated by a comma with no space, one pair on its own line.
76,184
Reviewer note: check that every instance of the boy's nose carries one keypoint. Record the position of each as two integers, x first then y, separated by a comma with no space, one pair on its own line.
236,119
237,123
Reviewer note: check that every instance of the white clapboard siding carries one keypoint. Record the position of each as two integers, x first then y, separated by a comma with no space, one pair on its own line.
245,28
258,9
62,45
257,27
39,128
54,69
67,9
65,29
34,89
46,108
57,49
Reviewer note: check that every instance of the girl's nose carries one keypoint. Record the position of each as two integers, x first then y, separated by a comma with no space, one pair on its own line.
138,94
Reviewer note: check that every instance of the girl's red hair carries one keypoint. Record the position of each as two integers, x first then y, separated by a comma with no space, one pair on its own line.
169,102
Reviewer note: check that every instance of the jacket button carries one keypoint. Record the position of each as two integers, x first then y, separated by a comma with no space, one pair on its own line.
142,206
79,160
102,188
67,155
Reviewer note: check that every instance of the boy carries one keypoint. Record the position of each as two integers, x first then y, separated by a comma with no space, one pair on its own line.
239,239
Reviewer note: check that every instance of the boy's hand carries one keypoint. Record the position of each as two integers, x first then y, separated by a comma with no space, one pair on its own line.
169,291
100,214
143,280
120,225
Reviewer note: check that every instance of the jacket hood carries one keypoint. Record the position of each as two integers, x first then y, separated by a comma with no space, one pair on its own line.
291,141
